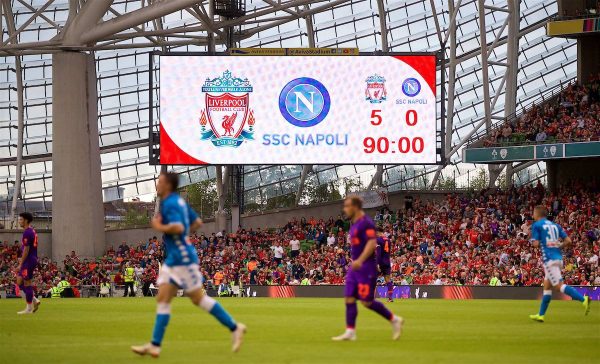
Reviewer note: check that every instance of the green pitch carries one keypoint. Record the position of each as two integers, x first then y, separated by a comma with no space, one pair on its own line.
299,331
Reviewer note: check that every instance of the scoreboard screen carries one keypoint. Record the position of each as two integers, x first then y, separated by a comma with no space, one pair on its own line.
220,109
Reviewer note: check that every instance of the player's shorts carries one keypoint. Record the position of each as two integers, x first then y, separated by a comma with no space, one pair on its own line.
361,284
552,270
26,271
385,269
186,277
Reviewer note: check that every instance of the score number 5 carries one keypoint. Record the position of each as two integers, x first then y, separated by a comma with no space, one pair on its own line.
410,117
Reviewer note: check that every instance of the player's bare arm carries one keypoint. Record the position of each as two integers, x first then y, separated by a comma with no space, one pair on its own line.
567,242
24,256
196,224
367,252
173,228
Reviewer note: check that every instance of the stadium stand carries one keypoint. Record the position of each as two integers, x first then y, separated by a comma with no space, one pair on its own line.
465,239
572,116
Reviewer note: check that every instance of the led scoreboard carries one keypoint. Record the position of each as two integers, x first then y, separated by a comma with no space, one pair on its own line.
355,109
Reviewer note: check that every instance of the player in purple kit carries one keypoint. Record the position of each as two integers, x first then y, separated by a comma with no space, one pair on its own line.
361,279
383,262
27,263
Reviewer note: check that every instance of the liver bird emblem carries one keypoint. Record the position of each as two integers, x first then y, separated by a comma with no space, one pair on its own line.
228,121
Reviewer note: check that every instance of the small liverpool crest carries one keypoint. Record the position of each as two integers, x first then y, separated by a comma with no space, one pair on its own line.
227,111
375,92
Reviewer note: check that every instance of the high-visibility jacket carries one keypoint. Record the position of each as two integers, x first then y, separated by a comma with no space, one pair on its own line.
55,292
63,284
129,274
305,282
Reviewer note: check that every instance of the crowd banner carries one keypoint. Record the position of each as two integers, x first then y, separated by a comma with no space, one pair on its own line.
374,198
399,292
420,292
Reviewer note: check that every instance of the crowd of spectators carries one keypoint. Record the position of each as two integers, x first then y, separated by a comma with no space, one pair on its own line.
573,116
471,239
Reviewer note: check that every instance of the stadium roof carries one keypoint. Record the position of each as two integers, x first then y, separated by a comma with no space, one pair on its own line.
123,32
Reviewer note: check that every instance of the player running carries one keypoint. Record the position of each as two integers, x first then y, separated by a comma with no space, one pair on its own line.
27,263
180,269
552,238
361,279
383,262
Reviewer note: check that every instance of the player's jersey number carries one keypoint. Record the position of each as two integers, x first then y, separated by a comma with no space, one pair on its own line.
363,290
551,236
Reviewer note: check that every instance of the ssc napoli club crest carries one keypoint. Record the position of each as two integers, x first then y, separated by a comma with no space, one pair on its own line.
227,111
411,87
375,92
304,102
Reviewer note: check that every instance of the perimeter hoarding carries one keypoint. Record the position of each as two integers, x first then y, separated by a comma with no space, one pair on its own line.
353,109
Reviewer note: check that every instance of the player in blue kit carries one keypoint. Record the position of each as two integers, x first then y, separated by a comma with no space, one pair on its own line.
180,269
361,278
384,264
551,238
27,263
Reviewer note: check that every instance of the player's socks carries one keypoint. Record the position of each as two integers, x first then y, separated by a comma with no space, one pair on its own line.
586,303
571,292
397,323
381,309
213,307
163,314
351,313
546,298
29,296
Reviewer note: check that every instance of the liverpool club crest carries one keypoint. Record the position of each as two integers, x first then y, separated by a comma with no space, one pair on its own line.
227,111
375,92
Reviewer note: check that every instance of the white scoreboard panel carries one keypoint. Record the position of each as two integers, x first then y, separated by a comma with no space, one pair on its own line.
298,109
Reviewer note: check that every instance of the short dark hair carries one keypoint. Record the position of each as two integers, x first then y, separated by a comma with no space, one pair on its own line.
541,210
26,216
172,179
355,201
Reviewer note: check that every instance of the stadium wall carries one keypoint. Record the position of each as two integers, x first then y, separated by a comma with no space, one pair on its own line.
561,172
269,219
114,237
44,240
588,56
324,210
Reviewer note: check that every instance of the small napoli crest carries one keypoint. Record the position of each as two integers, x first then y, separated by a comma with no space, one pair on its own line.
375,92
227,111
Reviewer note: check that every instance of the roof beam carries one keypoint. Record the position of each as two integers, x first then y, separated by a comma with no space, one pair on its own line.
86,19
155,10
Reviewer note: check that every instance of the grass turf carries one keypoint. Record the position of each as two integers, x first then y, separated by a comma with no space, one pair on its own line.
299,330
